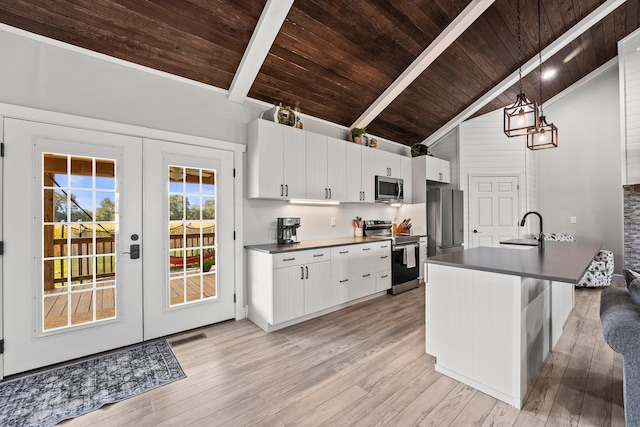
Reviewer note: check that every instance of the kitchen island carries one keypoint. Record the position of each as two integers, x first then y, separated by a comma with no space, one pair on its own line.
493,314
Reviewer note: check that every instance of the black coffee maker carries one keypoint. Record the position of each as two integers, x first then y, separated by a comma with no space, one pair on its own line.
287,230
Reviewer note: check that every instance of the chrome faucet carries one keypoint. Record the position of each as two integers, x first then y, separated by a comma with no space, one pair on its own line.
541,237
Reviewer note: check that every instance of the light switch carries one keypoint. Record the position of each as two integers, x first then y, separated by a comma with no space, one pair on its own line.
573,220
333,221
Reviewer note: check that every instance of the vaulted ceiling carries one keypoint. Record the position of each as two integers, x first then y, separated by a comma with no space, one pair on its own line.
337,57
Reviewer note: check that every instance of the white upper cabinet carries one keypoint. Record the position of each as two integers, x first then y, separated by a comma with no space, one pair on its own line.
407,179
438,170
294,163
427,168
387,164
316,171
370,166
288,163
337,169
326,171
276,161
354,173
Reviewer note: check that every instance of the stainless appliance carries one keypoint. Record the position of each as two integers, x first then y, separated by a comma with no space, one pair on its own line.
287,230
405,257
389,190
445,227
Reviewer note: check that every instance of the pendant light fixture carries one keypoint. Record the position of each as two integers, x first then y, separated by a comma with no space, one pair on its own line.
521,118
547,135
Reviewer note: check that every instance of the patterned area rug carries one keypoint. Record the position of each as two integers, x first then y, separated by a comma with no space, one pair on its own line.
48,397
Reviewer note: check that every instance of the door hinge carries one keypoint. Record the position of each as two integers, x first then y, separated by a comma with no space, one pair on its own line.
1,346
234,172
234,297
2,149
1,248
234,235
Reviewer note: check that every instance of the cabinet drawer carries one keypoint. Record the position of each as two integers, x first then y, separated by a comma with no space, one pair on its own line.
288,259
383,261
383,246
383,280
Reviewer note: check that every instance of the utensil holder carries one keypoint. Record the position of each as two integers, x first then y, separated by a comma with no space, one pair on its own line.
357,232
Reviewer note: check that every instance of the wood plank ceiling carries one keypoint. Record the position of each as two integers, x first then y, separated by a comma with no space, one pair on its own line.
336,57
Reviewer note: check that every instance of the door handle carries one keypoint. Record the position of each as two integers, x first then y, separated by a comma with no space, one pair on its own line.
329,193
134,251
301,273
307,268
476,231
326,193
286,194
281,190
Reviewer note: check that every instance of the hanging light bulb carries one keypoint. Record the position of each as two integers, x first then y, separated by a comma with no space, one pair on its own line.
521,118
547,135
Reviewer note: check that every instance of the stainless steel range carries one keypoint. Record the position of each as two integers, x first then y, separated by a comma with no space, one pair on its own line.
405,257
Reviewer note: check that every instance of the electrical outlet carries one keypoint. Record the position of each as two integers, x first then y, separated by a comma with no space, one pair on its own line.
333,221
573,220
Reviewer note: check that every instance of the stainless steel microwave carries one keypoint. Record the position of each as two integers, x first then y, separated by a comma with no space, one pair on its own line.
389,190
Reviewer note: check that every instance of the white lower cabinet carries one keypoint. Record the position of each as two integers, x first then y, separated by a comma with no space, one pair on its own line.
316,293
296,285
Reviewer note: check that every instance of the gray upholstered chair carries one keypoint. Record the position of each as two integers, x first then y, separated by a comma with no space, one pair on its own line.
620,316
599,272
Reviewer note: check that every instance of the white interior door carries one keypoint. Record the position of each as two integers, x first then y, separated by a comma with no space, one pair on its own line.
189,256
72,202
493,209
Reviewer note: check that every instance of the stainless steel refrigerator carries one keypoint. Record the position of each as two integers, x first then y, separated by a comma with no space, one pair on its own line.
445,228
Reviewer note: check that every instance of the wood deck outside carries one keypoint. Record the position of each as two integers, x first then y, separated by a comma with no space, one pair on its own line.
365,365
56,302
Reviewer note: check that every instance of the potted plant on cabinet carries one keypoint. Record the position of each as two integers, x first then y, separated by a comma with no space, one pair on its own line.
356,135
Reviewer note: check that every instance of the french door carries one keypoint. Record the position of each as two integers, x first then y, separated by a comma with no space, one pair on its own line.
188,258
85,268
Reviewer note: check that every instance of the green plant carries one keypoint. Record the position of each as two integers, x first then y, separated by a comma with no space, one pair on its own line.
208,263
358,132
419,149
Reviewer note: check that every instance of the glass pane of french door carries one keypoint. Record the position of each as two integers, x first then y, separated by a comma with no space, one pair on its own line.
79,240
192,231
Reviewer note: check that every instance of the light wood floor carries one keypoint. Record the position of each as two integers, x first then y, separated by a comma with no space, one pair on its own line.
365,365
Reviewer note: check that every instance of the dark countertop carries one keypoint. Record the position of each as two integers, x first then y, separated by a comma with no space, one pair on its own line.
274,248
558,261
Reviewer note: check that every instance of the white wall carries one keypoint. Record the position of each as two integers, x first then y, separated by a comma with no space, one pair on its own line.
486,150
582,177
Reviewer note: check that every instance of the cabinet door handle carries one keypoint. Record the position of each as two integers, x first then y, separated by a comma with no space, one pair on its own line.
366,275
440,173
366,249
318,255
301,273
344,252
384,277
289,259
281,190
329,193
286,187
344,281
307,268
383,257
326,193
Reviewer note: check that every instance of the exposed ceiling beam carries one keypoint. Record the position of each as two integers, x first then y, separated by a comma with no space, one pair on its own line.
573,33
435,49
272,18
